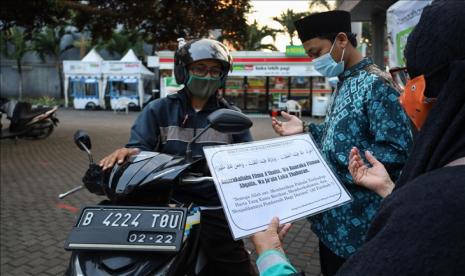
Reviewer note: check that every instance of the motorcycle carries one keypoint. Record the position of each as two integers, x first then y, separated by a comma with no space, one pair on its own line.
26,122
140,229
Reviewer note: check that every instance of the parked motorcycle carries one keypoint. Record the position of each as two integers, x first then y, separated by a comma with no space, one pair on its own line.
140,230
26,122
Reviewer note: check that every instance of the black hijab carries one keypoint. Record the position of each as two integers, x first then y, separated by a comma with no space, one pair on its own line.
419,228
438,42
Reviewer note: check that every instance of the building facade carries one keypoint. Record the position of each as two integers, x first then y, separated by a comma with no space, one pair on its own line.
260,81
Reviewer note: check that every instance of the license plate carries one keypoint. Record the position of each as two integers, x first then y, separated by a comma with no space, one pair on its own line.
128,228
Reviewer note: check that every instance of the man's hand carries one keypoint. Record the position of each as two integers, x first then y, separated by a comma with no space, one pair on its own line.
119,156
375,178
271,238
293,125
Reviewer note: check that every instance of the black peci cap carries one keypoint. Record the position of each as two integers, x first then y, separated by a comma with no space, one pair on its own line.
323,23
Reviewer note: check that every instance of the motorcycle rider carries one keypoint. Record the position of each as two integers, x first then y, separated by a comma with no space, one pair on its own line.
166,125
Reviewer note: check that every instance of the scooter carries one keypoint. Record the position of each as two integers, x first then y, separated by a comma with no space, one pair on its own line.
140,230
26,122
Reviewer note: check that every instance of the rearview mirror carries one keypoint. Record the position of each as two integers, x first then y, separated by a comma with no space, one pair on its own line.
81,139
229,121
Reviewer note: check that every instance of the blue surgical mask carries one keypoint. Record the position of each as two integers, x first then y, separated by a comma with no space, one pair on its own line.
327,66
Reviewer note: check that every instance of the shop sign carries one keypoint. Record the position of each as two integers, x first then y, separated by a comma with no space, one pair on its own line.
273,70
295,51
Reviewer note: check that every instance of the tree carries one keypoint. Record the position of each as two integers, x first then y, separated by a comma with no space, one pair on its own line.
287,19
122,41
318,4
83,44
255,35
32,15
161,22
49,43
14,45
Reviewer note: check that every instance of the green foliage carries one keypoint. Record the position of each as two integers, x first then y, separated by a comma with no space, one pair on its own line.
83,44
255,35
159,22
40,101
32,15
44,101
318,4
49,43
122,41
287,19
15,45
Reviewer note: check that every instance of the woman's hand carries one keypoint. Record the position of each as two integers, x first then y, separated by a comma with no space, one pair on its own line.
271,238
119,156
293,125
375,178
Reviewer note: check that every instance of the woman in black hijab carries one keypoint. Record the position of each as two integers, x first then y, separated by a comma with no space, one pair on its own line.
420,227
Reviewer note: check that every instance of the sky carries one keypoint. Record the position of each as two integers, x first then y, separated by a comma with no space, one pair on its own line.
263,11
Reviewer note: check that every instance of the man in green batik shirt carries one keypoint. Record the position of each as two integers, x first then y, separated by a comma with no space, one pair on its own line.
364,112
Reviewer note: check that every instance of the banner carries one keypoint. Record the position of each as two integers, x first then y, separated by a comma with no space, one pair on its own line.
401,18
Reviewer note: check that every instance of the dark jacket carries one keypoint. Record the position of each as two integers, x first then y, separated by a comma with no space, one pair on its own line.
168,124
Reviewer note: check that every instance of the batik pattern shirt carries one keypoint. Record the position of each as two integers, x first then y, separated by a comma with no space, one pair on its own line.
365,112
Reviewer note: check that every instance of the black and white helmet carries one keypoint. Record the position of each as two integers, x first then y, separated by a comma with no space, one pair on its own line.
200,49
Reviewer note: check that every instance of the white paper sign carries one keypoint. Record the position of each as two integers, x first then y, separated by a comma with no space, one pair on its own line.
285,177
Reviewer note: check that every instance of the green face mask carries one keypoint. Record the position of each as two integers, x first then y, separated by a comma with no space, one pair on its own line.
202,87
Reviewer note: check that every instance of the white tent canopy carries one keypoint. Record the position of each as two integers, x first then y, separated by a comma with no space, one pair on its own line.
92,56
130,56
90,67
129,67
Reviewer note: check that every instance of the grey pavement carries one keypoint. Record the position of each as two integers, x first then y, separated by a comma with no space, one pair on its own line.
34,223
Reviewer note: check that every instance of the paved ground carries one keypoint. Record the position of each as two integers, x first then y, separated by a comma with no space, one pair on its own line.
34,223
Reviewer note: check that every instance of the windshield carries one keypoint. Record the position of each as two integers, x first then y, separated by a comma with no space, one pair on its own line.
80,88
123,88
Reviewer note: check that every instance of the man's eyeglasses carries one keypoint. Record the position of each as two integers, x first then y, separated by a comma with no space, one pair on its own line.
202,71
400,76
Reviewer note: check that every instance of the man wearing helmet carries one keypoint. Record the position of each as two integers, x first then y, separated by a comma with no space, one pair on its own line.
168,124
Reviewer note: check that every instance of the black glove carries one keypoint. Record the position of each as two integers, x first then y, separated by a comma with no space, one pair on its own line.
93,179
